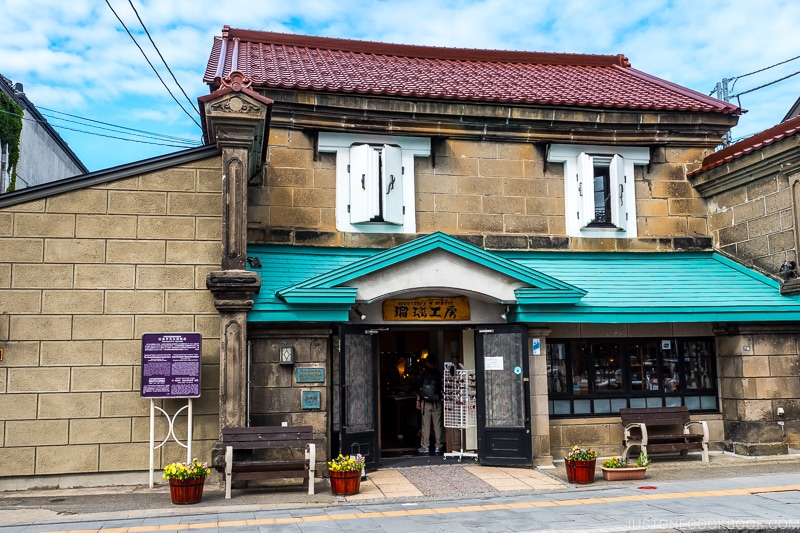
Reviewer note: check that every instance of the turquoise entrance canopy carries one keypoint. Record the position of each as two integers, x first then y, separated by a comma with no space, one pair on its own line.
307,284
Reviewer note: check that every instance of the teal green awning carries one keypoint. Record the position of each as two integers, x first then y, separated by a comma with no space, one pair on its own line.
305,284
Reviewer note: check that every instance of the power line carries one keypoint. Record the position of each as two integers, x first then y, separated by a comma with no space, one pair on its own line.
162,58
148,133
151,66
173,139
183,143
122,138
722,89
765,85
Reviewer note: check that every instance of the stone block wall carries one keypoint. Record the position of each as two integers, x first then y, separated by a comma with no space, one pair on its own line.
275,393
755,222
470,188
759,372
83,275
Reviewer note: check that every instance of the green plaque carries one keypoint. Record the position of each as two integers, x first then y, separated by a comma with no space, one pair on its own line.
309,375
311,399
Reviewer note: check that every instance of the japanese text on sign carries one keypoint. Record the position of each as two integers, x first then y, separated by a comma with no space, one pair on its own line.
427,309
171,365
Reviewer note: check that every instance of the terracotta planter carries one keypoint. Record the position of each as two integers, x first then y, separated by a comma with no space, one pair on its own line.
186,491
580,471
623,474
345,483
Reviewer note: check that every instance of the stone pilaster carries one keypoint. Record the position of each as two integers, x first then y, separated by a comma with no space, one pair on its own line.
233,291
540,417
236,118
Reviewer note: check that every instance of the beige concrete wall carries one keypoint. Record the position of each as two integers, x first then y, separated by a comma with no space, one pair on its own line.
473,187
82,275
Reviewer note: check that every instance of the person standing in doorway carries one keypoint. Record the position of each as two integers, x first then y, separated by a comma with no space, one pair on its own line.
429,402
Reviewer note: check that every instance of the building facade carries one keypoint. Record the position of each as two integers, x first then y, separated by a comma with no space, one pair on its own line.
44,155
524,218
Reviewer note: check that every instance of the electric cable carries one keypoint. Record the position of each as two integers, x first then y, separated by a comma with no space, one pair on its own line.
146,133
164,61
183,142
151,65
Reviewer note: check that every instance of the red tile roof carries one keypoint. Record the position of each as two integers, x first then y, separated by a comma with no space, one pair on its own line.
280,60
751,144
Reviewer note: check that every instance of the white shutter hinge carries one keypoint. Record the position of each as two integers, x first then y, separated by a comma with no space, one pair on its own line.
348,168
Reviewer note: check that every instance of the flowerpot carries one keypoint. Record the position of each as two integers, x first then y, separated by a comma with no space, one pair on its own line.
623,474
186,491
345,483
580,471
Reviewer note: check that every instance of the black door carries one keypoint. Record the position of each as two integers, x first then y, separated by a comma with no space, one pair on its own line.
358,396
503,388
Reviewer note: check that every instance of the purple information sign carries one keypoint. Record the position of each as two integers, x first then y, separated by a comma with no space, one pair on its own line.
171,365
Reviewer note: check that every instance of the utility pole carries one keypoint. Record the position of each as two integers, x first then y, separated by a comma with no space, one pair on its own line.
721,91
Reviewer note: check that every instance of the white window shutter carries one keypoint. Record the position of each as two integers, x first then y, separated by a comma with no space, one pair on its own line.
364,183
619,186
392,185
585,189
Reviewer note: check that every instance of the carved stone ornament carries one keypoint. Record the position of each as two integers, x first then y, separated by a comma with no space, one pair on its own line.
236,81
236,104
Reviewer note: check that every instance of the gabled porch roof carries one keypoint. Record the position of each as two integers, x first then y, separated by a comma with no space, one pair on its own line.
318,284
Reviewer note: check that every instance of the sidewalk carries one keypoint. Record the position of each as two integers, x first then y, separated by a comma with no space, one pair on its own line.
448,481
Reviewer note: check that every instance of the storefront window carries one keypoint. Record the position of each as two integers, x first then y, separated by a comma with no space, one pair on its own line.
608,375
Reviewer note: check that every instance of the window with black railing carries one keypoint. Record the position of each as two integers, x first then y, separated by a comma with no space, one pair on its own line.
598,377
602,192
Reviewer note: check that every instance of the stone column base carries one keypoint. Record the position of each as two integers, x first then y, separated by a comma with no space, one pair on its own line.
758,448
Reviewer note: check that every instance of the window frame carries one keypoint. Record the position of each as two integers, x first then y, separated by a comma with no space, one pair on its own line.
655,395
579,201
403,217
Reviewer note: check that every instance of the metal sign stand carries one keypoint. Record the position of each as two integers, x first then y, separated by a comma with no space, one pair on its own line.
170,433
460,406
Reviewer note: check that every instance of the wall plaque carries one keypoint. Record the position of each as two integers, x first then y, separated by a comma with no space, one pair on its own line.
309,375
311,399
439,309
171,365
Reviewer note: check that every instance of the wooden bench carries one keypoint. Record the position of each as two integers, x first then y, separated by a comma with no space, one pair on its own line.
243,463
663,429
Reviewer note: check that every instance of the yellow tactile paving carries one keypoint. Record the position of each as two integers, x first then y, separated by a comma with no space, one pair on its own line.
443,510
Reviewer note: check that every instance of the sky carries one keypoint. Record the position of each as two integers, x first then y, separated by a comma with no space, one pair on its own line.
82,70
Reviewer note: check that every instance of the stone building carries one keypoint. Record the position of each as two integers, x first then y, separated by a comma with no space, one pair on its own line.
525,218
751,189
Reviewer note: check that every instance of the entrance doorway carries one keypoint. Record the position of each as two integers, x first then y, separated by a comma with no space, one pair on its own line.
379,371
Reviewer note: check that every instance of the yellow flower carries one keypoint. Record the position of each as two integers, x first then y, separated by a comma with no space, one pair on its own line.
195,469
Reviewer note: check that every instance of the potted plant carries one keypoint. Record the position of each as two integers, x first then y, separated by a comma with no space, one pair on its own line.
186,481
616,469
345,472
580,464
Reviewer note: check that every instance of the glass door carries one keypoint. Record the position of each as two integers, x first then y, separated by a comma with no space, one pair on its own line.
503,389
358,393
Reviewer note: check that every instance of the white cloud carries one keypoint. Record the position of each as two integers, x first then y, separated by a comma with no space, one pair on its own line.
75,57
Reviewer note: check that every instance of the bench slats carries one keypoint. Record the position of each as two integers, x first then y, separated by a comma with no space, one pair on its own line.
268,437
648,428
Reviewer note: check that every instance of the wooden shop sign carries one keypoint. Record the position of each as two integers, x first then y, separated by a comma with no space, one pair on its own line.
438,309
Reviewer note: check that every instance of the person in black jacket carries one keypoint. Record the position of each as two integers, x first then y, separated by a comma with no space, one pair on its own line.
429,402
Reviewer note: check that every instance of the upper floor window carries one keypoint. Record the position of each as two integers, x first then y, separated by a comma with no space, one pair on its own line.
375,180
599,193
